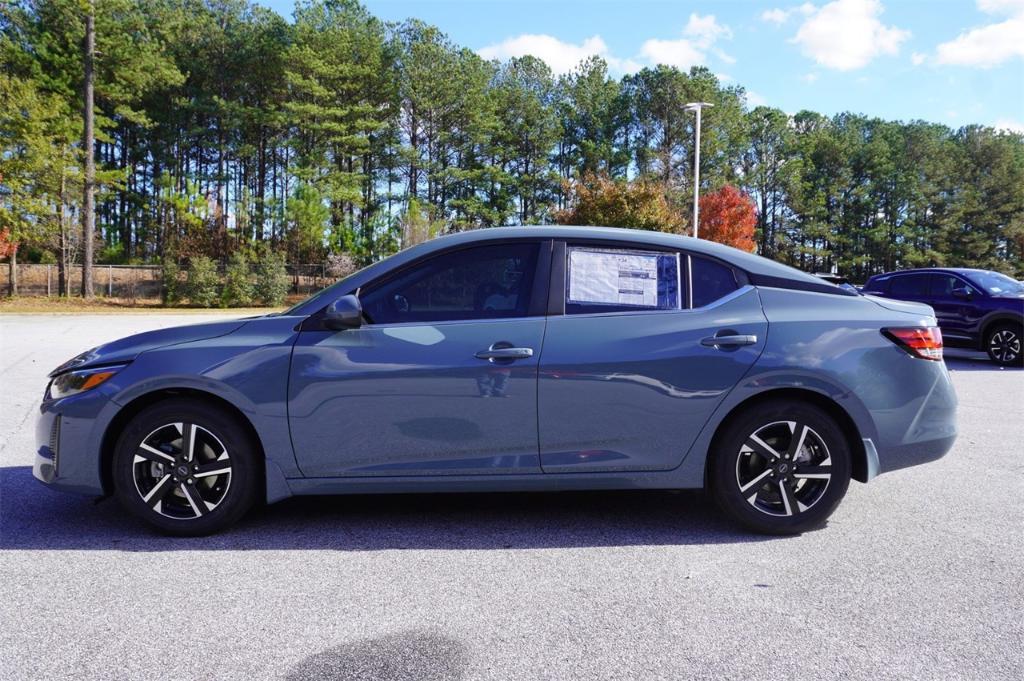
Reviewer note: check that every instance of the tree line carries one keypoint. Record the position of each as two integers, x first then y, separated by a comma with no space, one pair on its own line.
220,126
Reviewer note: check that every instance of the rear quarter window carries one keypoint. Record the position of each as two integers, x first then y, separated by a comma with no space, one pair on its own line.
711,281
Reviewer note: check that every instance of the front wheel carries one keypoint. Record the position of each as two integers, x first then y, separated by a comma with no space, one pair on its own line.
186,467
781,467
1003,345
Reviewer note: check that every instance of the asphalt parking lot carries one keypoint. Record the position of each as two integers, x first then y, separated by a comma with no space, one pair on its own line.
917,575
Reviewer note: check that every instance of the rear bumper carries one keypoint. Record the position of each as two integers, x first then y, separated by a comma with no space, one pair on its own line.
914,454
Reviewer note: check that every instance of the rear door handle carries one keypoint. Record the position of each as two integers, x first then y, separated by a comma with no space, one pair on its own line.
733,341
505,353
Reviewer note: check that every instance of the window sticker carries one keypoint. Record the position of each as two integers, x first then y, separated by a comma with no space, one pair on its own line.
619,277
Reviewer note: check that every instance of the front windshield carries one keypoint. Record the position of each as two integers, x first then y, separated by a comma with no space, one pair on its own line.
996,284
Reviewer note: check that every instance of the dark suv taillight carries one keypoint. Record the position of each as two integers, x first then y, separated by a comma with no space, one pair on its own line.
919,341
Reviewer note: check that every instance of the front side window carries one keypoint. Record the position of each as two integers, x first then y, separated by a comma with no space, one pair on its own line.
943,285
909,286
486,282
711,280
620,280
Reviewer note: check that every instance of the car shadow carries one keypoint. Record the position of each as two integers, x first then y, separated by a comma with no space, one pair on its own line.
33,517
969,360
414,655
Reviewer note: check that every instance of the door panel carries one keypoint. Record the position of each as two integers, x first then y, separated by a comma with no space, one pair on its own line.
956,316
414,399
632,391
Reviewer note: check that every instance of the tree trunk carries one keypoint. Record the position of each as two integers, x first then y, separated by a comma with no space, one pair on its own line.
88,139
12,279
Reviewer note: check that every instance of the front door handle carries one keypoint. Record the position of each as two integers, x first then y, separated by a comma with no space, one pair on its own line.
494,354
730,341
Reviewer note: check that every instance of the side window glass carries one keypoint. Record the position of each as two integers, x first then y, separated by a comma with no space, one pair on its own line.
620,280
943,285
711,280
910,286
488,282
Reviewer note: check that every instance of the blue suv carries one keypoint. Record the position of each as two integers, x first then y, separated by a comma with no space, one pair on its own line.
976,309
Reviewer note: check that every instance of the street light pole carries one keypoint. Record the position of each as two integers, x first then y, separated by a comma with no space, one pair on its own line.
696,106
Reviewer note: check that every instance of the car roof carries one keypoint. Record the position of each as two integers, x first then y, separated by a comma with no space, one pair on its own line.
926,270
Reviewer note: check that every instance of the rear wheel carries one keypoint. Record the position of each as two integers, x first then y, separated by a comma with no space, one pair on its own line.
186,467
1003,344
781,467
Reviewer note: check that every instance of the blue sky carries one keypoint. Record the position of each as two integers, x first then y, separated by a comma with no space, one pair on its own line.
944,61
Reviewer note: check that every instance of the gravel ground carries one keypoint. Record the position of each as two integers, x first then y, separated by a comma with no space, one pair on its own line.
917,575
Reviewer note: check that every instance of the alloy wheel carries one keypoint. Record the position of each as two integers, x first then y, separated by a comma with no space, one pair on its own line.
1004,346
182,471
783,468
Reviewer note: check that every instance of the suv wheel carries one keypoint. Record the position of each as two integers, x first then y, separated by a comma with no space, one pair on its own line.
781,467
185,467
1003,345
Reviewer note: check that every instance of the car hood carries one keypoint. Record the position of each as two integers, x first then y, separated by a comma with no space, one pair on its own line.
128,348
903,306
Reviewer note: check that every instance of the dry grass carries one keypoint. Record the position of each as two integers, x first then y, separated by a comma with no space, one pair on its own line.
55,305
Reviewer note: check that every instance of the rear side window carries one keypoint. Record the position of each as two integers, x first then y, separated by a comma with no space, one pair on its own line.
909,285
486,282
711,280
620,280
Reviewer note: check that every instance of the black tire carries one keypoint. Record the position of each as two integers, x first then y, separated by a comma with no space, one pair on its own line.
1005,345
753,477
151,467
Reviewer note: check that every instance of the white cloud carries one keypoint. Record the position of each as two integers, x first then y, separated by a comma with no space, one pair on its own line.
809,77
847,34
775,16
700,36
561,56
1001,6
988,45
755,100
779,16
1009,124
681,53
917,58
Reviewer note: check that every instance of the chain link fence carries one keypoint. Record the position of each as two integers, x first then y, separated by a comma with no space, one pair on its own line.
136,281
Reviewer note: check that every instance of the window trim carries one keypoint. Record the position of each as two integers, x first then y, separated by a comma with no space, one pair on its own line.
538,291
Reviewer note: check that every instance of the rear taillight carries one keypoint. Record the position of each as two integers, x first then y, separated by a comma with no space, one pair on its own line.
919,341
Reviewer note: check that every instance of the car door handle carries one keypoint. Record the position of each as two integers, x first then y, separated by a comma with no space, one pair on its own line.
731,341
505,353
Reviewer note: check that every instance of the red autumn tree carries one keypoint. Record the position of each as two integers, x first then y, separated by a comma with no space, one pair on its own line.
729,217
7,246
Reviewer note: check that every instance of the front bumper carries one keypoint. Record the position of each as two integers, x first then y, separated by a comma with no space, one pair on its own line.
69,439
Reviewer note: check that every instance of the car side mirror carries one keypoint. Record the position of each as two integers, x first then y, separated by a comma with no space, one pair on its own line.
344,313
962,293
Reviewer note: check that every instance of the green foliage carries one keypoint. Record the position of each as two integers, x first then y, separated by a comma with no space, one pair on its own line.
222,126
238,287
271,278
203,282
170,278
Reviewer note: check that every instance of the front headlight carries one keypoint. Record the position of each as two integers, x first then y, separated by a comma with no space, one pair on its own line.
74,382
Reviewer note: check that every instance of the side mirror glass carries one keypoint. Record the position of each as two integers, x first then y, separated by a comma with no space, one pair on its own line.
963,293
344,313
